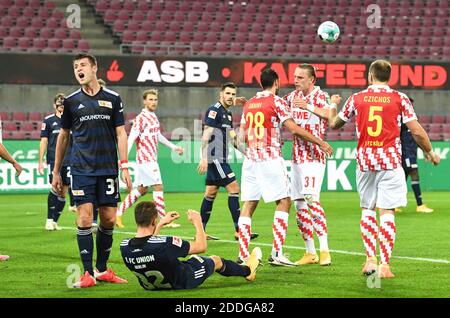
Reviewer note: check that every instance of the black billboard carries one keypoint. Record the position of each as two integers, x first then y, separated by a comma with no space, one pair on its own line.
171,71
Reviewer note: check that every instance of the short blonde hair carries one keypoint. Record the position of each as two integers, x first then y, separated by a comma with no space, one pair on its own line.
149,92
380,70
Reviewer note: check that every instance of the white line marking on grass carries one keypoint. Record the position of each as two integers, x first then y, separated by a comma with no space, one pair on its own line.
420,259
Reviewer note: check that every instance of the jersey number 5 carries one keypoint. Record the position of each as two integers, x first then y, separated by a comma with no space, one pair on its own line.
378,121
255,125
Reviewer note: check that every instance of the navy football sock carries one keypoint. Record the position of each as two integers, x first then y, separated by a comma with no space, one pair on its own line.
235,209
86,247
52,202
61,202
417,193
230,268
205,209
104,244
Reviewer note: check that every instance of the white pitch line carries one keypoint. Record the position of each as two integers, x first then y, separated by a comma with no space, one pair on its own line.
420,259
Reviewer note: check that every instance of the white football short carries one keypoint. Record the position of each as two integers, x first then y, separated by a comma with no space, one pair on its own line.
266,179
381,189
306,179
148,174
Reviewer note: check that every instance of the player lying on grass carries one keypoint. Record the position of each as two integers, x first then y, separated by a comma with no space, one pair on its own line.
154,259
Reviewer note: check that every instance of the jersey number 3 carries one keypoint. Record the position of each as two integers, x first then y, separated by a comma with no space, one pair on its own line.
377,119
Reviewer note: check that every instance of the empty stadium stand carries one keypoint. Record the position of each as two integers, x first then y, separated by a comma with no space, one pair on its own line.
285,28
252,28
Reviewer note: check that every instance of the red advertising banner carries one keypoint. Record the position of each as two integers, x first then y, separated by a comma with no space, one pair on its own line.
165,71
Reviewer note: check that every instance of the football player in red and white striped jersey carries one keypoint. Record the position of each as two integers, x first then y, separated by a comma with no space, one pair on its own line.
379,112
310,109
263,172
146,133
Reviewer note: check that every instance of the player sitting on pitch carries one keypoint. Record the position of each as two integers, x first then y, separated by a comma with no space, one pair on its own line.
154,259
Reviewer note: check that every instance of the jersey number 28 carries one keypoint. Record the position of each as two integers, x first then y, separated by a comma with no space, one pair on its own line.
255,125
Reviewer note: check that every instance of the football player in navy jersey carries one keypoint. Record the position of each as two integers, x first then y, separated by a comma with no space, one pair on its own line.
218,132
94,115
154,259
49,134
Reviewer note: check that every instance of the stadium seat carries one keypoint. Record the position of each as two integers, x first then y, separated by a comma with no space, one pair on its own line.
446,136
4,116
35,116
446,129
18,135
9,126
19,116
16,32
435,136
39,44
332,135
434,128
27,126
424,119
438,119
83,45
347,136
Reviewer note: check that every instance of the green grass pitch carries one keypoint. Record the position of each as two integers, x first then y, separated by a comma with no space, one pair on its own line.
421,261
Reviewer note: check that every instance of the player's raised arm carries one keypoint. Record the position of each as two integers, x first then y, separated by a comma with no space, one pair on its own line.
167,219
305,135
199,245
122,145
203,165
423,141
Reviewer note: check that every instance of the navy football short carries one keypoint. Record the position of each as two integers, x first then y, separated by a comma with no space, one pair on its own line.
219,174
65,174
100,190
202,268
